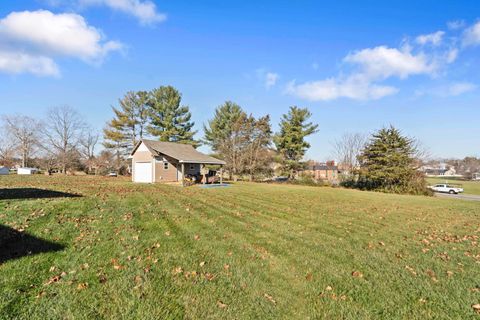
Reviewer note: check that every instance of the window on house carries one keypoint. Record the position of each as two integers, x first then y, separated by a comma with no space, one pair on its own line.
165,165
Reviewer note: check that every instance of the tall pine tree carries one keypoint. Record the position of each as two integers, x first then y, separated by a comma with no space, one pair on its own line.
221,126
170,121
290,141
128,126
387,163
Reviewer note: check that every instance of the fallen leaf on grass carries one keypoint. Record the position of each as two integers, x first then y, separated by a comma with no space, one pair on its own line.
102,278
82,286
196,237
411,270
476,307
116,266
270,298
422,300
381,243
328,288
449,273
209,276
357,274
226,266
55,279
222,305
432,275
202,263
309,276
167,233
177,270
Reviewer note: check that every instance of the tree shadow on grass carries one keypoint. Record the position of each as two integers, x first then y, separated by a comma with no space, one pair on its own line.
15,244
33,193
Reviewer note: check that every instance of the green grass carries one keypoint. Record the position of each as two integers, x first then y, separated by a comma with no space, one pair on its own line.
470,187
250,251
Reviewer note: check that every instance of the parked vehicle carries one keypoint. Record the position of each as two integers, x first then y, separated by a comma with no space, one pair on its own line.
112,174
447,188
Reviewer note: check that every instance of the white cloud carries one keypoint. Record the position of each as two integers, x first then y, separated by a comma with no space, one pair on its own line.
433,38
18,62
451,55
383,62
145,11
270,79
456,24
37,37
449,90
471,36
330,89
371,65
460,88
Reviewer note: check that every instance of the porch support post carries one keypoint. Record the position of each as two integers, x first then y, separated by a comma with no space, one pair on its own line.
204,174
221,174
183,174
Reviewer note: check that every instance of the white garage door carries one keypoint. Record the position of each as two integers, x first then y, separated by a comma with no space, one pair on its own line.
143,172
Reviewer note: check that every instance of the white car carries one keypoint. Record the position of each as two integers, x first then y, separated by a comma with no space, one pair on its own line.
446,188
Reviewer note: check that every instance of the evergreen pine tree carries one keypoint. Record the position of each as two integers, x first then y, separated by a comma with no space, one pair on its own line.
221,126
290,141
128,126
387,163
170,121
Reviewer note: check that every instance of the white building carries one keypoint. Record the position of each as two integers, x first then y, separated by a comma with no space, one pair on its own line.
27,170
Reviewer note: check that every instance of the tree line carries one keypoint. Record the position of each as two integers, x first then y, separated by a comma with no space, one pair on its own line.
387,160
63,142
246,143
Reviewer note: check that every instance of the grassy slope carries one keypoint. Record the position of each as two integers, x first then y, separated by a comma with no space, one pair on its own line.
248,251
471,187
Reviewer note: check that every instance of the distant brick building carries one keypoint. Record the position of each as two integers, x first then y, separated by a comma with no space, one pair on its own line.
327,171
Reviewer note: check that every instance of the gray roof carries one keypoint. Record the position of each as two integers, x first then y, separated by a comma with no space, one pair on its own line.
184,153
321,167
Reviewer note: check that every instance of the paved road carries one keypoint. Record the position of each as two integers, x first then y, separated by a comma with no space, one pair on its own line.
470,197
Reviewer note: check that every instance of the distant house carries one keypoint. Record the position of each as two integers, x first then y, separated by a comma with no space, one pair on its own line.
157,161
323,171
439,171
27,170
4,171
476,176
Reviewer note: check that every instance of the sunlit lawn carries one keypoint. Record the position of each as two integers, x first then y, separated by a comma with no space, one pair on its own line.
250,251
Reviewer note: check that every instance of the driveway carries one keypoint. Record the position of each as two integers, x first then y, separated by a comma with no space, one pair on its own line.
470,197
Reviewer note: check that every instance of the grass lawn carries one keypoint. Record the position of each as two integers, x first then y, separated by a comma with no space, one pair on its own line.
470,187
249,251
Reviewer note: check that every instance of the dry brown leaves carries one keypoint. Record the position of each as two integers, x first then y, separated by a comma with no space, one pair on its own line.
357,274
270,298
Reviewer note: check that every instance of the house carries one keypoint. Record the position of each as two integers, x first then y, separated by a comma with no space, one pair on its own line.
440,171
476,176
323,171
4,171
27,170
158,161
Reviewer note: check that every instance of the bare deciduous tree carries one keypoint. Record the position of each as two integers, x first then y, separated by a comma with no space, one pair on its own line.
24,131
88,142
347,148
64,129
7,148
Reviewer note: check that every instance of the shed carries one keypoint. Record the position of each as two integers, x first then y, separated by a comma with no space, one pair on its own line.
27,170
158,161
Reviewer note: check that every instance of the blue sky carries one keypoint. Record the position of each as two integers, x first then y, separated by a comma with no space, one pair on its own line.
356,66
